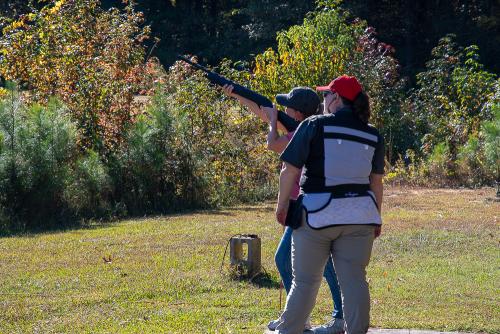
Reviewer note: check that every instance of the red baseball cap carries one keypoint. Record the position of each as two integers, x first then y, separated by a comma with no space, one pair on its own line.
346,86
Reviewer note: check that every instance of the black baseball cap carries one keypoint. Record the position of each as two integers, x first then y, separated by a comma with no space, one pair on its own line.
303,99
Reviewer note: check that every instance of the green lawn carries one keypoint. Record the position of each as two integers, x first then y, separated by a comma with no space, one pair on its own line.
436,266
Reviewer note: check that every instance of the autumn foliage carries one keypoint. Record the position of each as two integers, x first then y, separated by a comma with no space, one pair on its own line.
90,58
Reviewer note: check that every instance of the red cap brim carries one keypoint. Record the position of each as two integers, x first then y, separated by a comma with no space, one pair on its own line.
323,88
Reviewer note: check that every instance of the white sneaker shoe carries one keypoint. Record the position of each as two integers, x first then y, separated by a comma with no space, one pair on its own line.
334,326
274,323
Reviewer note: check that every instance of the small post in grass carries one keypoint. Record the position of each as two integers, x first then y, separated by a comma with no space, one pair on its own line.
250,265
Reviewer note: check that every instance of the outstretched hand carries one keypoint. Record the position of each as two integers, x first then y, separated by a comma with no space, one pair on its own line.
228,90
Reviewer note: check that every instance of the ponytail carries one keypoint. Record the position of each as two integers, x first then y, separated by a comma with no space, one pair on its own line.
360,106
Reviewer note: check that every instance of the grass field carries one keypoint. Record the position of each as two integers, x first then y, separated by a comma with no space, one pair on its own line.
436,266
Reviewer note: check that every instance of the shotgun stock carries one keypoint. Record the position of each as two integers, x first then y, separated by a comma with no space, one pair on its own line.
288,122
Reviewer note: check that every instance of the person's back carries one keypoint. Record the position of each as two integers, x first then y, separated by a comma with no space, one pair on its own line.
300,103
342,157
349,148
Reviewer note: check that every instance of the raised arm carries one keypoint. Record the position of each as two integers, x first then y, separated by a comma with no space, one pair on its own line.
228,90
252,106
275,142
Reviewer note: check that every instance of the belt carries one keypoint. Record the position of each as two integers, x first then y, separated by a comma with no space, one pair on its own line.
342,190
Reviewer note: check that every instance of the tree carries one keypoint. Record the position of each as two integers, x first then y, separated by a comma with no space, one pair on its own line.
451,95
91,58
415,27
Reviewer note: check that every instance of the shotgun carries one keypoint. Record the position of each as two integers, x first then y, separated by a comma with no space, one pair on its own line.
288,122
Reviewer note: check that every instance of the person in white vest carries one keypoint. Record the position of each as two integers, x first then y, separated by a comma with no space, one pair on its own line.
339,205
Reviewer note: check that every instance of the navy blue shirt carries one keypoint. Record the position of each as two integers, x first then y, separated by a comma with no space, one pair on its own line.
335,149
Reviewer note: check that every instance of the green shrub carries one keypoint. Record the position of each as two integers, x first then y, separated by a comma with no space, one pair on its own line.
439,165
89,189
455,96
449,104
470,163
192,147
140,168
409,169
39,145
490,131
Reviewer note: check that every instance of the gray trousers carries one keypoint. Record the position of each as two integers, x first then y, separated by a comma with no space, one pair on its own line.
350,246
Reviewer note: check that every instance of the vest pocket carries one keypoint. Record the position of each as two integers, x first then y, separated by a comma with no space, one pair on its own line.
345,211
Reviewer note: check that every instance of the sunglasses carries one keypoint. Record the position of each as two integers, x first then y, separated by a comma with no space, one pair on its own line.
328,93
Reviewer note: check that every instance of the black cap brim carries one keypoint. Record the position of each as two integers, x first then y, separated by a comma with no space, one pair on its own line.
283,99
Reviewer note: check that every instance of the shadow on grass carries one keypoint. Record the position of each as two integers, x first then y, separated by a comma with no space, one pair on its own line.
63,227
74,224
253,208
264,280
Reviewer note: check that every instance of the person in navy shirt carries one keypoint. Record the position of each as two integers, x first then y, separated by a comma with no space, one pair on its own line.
300,103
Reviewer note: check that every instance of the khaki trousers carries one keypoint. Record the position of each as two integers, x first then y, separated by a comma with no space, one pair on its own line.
350,246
